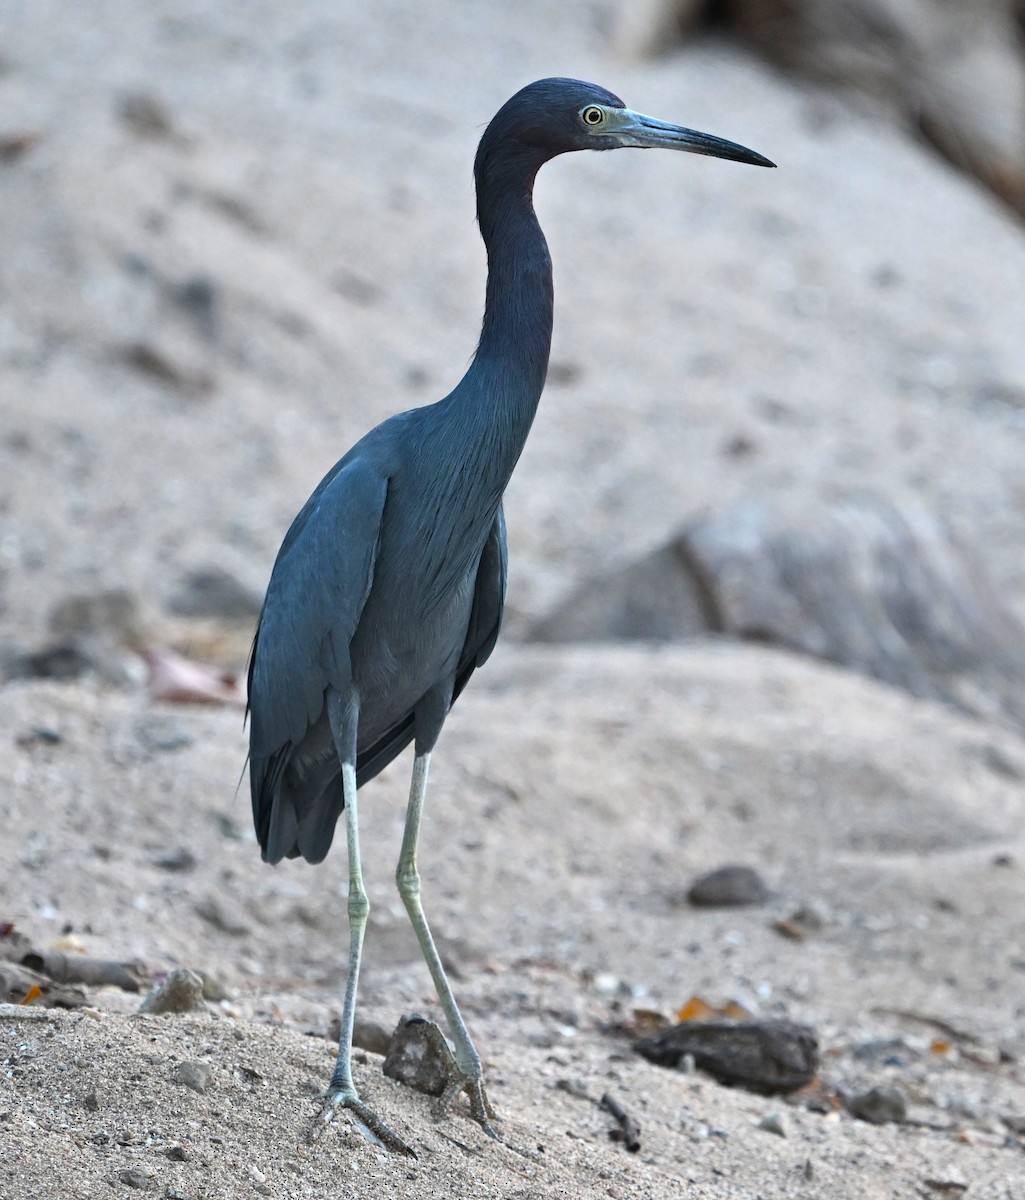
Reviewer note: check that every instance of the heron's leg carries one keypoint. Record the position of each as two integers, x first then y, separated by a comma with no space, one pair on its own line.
469,1073
341,1091
359,909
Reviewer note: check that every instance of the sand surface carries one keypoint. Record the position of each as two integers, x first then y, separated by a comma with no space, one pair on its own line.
199,311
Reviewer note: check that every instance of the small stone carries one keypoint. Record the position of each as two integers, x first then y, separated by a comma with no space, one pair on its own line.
419,1056
181,992
39,735
145,115
879,1105
136,1177
728,887
371,1035
179,859
213,592
195,1075
221,916
177,1153
774,1122
197,295
92,1102
161,733
114,613
216,989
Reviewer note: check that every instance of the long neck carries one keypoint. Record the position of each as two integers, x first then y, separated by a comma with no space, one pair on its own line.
499,394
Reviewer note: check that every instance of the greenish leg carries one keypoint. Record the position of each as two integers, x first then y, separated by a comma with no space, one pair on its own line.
468,1075
341,1092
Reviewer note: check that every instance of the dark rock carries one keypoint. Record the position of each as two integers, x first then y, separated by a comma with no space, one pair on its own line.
419,1056
761,1056
729,886
878,1105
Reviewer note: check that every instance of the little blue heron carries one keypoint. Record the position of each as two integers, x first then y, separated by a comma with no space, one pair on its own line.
387,592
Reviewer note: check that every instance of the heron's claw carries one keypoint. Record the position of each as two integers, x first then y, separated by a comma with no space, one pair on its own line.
365,1117
480,1106
460,1079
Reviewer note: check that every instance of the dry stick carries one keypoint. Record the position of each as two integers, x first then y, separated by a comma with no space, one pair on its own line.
80,968
629,1132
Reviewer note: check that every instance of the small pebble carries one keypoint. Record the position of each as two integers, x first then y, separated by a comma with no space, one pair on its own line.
92,1102
774,1122
177,1153
879,1105
195,1075
181,992
179,859
728,887
226,918
136,1177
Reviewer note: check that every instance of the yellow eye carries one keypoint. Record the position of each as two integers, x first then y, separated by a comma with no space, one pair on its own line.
592,115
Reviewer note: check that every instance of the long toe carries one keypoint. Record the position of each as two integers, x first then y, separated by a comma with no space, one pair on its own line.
480,1106
367,1121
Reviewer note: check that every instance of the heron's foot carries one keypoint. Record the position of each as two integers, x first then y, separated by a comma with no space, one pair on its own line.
347,1097
480,1106
460,1079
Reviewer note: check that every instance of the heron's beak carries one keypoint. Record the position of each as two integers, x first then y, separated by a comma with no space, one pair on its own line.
634,129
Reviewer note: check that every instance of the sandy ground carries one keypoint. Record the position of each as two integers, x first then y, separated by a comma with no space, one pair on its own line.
197,320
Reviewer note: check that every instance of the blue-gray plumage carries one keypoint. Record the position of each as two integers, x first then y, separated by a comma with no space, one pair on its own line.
388,590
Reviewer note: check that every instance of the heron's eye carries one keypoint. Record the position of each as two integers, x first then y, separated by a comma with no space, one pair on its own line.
592,115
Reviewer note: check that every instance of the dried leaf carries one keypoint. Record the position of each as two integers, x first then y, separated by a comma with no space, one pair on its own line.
735,1011
696,1009
181,681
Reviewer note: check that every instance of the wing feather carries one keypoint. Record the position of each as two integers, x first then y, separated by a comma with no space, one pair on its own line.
318,587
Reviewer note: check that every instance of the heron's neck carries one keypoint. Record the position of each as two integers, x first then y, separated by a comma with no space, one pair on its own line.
503,385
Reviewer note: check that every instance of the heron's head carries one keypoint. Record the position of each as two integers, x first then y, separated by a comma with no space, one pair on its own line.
554,116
